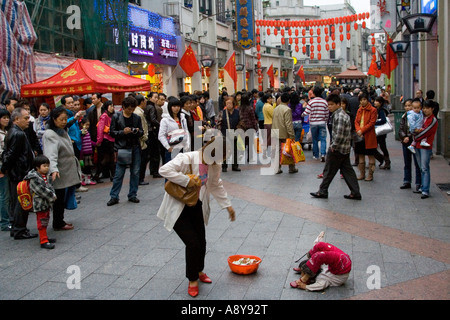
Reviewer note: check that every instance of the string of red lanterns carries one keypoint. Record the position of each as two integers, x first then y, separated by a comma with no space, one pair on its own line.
329,30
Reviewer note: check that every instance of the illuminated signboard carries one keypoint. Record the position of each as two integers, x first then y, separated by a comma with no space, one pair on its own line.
152,38
245,24
429,6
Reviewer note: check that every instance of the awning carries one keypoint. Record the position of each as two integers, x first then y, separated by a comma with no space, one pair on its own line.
84,77
352,73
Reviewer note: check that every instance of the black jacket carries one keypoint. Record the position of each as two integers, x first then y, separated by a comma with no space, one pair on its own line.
122,140
404,131
18,155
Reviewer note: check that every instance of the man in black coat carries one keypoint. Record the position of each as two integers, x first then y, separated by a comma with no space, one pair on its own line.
17,161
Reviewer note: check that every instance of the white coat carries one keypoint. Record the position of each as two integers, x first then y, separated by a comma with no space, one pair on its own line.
175,171
167,125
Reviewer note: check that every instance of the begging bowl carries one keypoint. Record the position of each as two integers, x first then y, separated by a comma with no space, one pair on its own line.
243,269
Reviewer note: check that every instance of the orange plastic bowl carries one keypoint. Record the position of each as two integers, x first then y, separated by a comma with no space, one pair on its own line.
239,269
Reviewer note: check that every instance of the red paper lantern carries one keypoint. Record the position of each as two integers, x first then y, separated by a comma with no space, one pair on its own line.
319,47
373,41
258,47
333,37
327,38
290,32
349,36
333,29
304,49
275,31
311,40
282,41
349,27
319,56
326,30
312,55
327,47
355,26
257,31
319,39
282,32
363,25
311,48
341,37
290,40
258,39
311,31
374,50
304,40
333,45
319,32
268,31
296,48
341,28
258,56
151,70
296,40
258,64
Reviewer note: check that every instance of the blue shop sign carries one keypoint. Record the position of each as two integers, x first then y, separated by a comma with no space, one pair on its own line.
245,24
429,6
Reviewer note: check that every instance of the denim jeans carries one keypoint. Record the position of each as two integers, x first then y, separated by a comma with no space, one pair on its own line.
134,176
407,169
423,157
4,202
298,130
319,133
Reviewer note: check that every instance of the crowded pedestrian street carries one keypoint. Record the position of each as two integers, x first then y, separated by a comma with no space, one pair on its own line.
398,243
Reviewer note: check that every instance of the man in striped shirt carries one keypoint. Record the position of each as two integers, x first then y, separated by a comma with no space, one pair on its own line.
338,157
317,110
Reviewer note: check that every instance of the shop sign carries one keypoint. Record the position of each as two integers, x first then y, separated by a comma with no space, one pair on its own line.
245,24
429,6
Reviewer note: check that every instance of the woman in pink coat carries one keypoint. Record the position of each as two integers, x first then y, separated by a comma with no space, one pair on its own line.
327,266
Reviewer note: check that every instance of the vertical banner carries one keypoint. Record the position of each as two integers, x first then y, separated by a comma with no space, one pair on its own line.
245,24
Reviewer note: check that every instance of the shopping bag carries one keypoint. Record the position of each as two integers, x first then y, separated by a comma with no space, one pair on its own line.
287,149
258,145
285,159
297,152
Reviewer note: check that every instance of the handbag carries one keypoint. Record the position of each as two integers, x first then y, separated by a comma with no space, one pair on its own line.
125,157
384,128
356,138
189,196
176,136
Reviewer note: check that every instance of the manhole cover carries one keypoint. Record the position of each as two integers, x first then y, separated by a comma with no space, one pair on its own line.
444,186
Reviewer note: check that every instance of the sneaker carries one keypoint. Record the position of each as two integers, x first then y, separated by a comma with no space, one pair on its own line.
411,148
82,189
47,245
112,202
134,200
423,143
315,158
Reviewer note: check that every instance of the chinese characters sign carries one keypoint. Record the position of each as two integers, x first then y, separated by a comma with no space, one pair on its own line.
245,24
154,47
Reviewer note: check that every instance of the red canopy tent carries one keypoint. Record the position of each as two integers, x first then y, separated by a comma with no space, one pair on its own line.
84,77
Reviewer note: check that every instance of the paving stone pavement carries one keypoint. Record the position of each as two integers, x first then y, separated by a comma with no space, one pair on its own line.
124,253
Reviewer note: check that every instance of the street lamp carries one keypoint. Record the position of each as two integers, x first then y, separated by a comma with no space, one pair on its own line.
400,46
207,62
239,67
420,22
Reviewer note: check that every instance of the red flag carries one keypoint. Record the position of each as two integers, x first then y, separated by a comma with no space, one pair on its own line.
230,67
188,62
271,76
301,74
391,57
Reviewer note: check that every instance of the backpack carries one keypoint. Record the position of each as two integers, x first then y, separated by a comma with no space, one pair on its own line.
24,195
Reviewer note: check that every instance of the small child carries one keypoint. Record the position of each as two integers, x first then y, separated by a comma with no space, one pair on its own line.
43,197
86,154
415,122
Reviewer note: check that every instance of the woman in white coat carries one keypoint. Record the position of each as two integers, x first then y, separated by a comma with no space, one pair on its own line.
189,222
170,122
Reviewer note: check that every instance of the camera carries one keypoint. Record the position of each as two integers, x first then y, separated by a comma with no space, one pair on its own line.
135,130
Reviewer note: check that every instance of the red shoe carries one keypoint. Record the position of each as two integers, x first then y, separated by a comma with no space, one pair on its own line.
320,176
193,291
204,278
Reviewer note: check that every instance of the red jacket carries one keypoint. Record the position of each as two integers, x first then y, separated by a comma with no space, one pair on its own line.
430,125
324,253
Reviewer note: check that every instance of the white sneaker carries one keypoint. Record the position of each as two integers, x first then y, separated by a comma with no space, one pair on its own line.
82,189
411,148
423,143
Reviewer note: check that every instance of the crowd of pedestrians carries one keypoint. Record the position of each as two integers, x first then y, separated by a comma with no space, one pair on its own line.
64,150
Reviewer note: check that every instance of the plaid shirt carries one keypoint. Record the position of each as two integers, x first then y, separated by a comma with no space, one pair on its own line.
341,131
